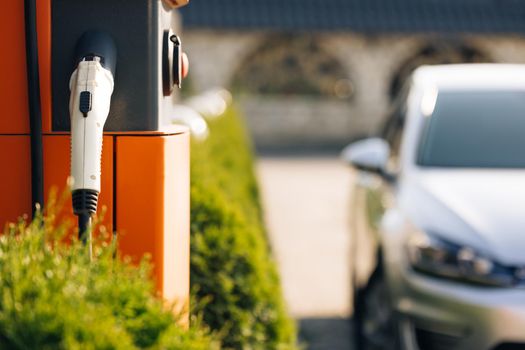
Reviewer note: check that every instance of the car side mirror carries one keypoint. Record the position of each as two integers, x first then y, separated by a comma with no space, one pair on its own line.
370,155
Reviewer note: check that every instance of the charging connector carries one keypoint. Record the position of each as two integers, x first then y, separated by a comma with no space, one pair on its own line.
84,206
91,88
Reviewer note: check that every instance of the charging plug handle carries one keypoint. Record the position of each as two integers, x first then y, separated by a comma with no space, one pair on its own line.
91,89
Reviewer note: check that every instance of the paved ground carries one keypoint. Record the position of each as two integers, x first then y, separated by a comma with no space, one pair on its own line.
306,204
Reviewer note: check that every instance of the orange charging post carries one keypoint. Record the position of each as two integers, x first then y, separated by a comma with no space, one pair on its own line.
145,173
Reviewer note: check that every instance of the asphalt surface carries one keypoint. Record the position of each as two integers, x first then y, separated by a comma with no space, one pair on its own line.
306,201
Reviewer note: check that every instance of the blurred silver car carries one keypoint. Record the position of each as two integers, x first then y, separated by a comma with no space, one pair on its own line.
439,214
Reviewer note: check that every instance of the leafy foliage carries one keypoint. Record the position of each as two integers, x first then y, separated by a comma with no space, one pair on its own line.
55,295
232,273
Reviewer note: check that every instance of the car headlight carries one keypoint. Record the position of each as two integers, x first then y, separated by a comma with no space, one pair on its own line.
435,256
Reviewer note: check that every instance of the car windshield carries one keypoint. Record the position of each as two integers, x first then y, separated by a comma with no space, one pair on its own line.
475,129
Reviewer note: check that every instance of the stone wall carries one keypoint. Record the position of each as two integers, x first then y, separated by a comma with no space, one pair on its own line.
301,123
215,56
372,62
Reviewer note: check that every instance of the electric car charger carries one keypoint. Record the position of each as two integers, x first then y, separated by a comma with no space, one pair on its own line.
91,87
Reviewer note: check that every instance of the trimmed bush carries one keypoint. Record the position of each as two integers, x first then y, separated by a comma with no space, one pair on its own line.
232,274
53,296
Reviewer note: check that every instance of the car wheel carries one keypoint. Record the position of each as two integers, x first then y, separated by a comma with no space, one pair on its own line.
374,322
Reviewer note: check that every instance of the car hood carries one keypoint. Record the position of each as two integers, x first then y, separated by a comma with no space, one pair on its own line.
484,209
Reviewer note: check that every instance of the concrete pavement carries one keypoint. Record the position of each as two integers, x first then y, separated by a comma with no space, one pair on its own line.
306,201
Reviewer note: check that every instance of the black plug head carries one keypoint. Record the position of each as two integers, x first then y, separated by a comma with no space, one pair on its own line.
100,44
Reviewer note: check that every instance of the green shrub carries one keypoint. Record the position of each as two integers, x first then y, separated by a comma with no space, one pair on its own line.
232,273
52,296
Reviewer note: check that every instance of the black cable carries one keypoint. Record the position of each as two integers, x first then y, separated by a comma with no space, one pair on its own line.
85,231
84,226
35,109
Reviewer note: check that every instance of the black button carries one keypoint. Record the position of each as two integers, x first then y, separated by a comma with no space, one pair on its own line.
85,102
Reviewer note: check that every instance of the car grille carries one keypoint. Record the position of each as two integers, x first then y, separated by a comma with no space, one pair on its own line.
429,340
510,346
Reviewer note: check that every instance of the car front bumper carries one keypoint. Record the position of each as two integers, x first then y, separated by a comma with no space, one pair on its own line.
437,314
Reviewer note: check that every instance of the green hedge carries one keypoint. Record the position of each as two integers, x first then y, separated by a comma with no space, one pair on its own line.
53,297
234,279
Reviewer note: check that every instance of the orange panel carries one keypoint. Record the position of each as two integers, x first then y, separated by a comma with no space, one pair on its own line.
177,218
15,184
57,170
44,59
14,108
152,180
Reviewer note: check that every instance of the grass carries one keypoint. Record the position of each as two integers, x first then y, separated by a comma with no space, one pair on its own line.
54,295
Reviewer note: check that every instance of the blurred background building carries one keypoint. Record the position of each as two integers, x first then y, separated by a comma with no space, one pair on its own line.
315,74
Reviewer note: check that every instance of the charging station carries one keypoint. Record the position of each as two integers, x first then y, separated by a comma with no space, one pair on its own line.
143,167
